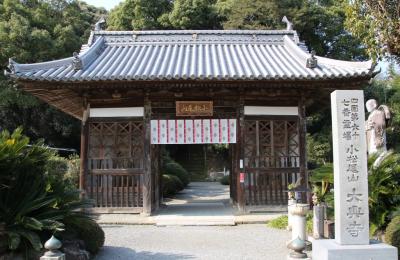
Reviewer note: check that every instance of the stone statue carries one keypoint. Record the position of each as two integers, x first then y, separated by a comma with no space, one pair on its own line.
375,126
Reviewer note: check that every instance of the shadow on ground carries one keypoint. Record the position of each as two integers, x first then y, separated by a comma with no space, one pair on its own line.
114,252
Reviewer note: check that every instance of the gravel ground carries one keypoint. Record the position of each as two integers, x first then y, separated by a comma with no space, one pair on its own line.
190,242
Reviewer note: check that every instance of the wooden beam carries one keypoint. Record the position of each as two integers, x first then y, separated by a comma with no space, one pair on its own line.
147,187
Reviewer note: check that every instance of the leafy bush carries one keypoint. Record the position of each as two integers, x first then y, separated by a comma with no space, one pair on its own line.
279,222
392,234
225,180
384,190
88,231
282,222
74,165
174,168
34,202
171,185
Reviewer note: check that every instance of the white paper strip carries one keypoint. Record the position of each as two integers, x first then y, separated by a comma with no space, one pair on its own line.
198,131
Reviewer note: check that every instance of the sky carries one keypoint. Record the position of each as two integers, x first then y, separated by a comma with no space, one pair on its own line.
107,4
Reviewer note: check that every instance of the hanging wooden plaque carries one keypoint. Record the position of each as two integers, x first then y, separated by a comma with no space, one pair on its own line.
194,108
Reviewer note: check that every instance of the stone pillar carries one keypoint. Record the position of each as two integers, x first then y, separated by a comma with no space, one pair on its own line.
52,245
291,202
318,221
299,228
350,185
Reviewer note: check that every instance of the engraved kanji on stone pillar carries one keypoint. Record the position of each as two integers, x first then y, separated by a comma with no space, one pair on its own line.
350,168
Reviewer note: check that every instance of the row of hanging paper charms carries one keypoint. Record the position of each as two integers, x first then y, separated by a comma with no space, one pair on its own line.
193,131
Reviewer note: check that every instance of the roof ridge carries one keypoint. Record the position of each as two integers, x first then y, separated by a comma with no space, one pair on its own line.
300,53
171,32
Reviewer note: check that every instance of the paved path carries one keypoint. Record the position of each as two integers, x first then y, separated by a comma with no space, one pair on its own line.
201,203
232,242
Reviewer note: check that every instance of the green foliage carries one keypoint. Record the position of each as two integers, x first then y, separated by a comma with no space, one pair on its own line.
282,222
322,174
320,24
138,15
35,31
89,231
23,201
174,168
34,202
376,23
392,233
321,180
226,180
191,14
279,222
171,185
384,190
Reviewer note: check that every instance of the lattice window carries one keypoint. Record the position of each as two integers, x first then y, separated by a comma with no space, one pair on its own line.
115,145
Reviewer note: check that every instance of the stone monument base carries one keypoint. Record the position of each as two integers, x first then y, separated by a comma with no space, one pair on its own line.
328,249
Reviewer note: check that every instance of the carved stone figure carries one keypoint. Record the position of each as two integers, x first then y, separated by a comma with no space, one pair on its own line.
376,126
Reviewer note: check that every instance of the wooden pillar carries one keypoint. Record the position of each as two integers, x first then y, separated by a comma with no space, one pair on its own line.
147,187
302,146
156,155
240,156
83,150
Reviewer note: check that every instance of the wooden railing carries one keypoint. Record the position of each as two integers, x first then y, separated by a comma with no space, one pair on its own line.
267,179
273,162
116,187
115,163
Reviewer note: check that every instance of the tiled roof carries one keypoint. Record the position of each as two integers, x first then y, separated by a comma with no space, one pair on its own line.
190,55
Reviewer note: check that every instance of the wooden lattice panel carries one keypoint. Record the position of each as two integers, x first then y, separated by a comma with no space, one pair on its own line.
271,156
115,162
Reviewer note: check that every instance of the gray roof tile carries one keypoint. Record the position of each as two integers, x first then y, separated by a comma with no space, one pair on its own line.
197,55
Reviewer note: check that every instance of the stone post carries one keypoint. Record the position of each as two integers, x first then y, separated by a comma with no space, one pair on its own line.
318,221
350,185
52,245
299,212
290,203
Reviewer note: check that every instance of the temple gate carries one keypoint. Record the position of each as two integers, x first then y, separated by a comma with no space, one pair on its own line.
137,90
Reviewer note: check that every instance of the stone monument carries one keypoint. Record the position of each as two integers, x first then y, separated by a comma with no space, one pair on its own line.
350,185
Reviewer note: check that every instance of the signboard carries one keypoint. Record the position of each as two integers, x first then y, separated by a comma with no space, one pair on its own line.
241,177
194,108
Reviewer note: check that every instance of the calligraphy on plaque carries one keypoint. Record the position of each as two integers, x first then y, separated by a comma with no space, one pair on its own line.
194,108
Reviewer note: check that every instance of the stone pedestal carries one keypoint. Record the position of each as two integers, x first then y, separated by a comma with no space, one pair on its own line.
328,249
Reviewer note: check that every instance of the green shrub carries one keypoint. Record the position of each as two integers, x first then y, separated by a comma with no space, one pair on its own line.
279,222
34,202
384,190
174,168
74,166
225,180
392,234
282,222
88,231
171,185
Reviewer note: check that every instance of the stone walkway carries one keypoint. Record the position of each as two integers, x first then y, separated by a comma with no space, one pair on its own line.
193,242
200,204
